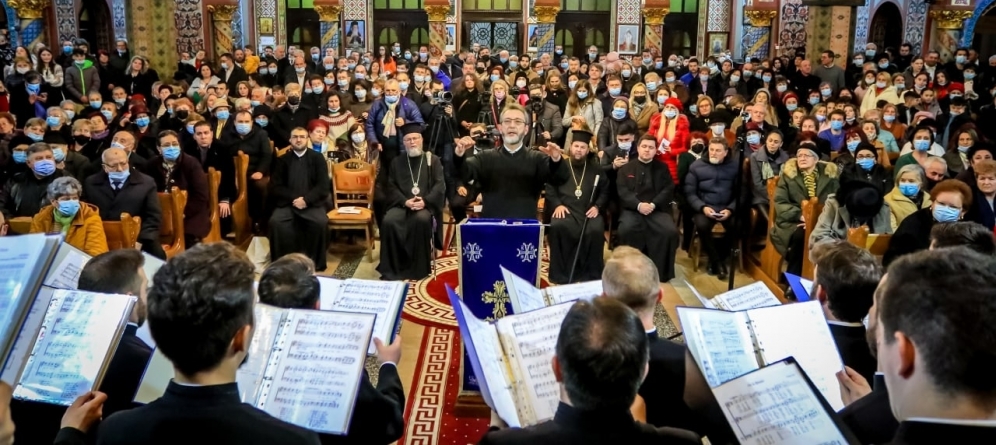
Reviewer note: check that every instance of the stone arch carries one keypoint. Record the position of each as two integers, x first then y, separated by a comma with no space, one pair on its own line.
874,14
12,22
968,33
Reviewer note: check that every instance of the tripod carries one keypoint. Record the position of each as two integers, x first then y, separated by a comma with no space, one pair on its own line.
442,123
738,219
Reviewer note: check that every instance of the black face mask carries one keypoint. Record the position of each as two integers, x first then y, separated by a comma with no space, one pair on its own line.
640,99
480,70
182,114
294,100
81,140
697,148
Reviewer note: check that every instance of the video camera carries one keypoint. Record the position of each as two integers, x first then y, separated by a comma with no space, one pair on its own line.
442,97
536,104
488,139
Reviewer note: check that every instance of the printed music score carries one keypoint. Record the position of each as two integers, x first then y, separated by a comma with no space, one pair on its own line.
720,342
21,259
526,298
314,372
775,405
534,337
66,273
249,376
753,296
26,337
79,333
382,298
573,292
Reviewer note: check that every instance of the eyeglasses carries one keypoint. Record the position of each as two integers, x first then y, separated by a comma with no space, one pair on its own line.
299,136
513,121
805,156
120,166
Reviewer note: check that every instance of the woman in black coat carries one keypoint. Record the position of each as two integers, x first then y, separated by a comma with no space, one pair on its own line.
709,191
866,167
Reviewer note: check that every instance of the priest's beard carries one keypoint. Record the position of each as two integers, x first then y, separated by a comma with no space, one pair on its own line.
512,139
414,152
299,150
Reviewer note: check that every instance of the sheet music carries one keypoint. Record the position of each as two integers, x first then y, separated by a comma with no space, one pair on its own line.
26,337
329,289
706,303
800,330
317,369
381,298
522,294
488,356
80,332
66,273
775,405
158,374
534,340
573,292
751,296
720,342
268,320
19,258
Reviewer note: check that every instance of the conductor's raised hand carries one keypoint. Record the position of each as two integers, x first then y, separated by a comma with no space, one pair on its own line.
560,212
552,150
462,145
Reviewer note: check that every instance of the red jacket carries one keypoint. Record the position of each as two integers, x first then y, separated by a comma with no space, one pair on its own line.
679,142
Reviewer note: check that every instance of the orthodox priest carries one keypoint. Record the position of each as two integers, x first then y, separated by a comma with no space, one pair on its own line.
414,196
581,197
512,176
300,188
645,194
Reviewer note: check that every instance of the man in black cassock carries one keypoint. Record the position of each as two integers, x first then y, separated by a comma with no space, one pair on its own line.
300,188
510,177
572,202
645,193
414,196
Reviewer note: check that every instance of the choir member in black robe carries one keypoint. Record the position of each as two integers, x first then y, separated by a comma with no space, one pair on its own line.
414,196
510,177
645,193
571,203
870,418
300,189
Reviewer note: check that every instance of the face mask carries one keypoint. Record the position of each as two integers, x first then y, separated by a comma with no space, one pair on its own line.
826,92
95,104
791,107
849,120
900,86
626,73
358,138
513,64
22,70
243,129
119,177
883,65
142,122
652,86
79,63
921,145
299,70
70,114
34,88
766,78
748,74
53,121
44,167
307,91
955,95
520,83
960,60
640,99
419,78
781,88
494,78
171,153
852,145
592,56
910,190
615,91
350,66
408,56
182,114
943,213
753,139
659,65
693,108
333,110
866,163
661,98
81,140
67,49
360,94
224,66
391,99
403,86
107,115
836,125
255,103
618,113
581,95
262,122
70,207
859,62
704,77
814,100
563,66
120,102
889,118
820,118
625,146
669,79
375,92
698,148
870,53
670,114
423,55
34,137
734,79
718,130
294,100
190,128
222,114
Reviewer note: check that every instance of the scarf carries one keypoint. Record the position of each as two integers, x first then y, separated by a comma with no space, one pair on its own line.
388,121
810,180
63,221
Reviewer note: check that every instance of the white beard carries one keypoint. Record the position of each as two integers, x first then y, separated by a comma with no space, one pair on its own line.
513,140
414,152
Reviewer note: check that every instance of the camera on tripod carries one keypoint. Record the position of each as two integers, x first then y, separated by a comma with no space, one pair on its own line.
442,97
536,104
488,139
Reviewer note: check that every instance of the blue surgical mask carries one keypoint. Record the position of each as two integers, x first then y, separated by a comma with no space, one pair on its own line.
766,78
190,128
222,114
262,122
964,148
563,66
375,92
59,154
44,167
69,207
647,60
618,113
360,94
961,60
670,114
119,177
70,114
34,137
659,65
734,79
53,121
921,145
171,153
391,99
888,118
571,84
255,103
408,56
20,157
908,189
870,53
969,76
866,164
351,65
329,66
224,66
33,88
781,88
899,85
513,64
826,92
582,95
791,107
107,115
836,125
142,122
753,139
693,108
328,81
943,213
627,73
120,102
883,65
820,118
243,128
704,77
67,49
494,77
95,104
403,86
814,100
748,73
852,145
652,86
615,91
423,55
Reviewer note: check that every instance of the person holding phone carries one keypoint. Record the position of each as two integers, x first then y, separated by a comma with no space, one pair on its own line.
709,191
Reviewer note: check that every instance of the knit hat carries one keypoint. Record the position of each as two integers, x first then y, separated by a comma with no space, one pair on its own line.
675,102
139,109
730,92
753,126
864,146
789,95
807,146
861,199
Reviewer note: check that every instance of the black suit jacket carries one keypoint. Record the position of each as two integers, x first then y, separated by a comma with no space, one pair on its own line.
917,433
714,89
200,415
663,390
238,75
853,347
378,417
630,178
138,197
125,372
572,426
187,175
870,418
218,157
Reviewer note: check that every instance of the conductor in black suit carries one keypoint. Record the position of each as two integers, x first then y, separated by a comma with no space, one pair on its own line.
378,416
600,362
200,312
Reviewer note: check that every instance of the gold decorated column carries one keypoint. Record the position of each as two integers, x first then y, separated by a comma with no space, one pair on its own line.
546,19
654,12
221,18
757,32
329,16
32,16
948,32
437,11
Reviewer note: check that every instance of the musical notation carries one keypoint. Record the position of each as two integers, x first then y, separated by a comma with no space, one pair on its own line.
315,369
775,405
19,257
381,298
79,332
249,376
66,274
755,295
535,343
720,342
573,292
522,294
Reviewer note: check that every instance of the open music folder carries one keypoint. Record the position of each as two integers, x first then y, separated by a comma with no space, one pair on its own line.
385,299
525,297
511,359
303,366
752,296
71,347
778,404
726,345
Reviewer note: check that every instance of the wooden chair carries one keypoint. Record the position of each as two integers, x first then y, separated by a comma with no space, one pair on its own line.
241,222
695,249
811,210
214,180
122,234
280,151
353,185
768,269
875,244
20,225
171,229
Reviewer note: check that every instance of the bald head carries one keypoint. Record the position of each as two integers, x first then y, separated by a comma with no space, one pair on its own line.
631,277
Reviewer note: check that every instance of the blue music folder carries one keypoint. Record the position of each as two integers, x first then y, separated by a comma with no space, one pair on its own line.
800,286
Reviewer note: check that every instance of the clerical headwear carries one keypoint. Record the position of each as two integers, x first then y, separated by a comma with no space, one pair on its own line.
581,136
409,128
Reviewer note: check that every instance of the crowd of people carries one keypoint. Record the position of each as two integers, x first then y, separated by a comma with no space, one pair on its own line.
890,143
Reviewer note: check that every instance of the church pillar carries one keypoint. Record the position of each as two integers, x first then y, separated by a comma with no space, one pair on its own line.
437,11
221,18
329,14
654,12
546,18
947,30
32,16
830,27
757,32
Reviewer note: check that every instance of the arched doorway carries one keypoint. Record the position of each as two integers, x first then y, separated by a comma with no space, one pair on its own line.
680,28
95,25
582,23
886,27
303,25
984,38
402,21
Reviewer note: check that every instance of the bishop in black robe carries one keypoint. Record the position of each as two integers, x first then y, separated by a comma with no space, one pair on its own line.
569,204
646,182
300,173
414,195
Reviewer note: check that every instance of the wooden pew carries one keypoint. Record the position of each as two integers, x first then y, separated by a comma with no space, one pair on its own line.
122,234
811,210
241,222
171,229
875,244
768,268
214,180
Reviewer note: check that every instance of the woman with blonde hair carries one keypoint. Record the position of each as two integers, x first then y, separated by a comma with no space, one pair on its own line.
882,89
583,108
908,195
640,109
